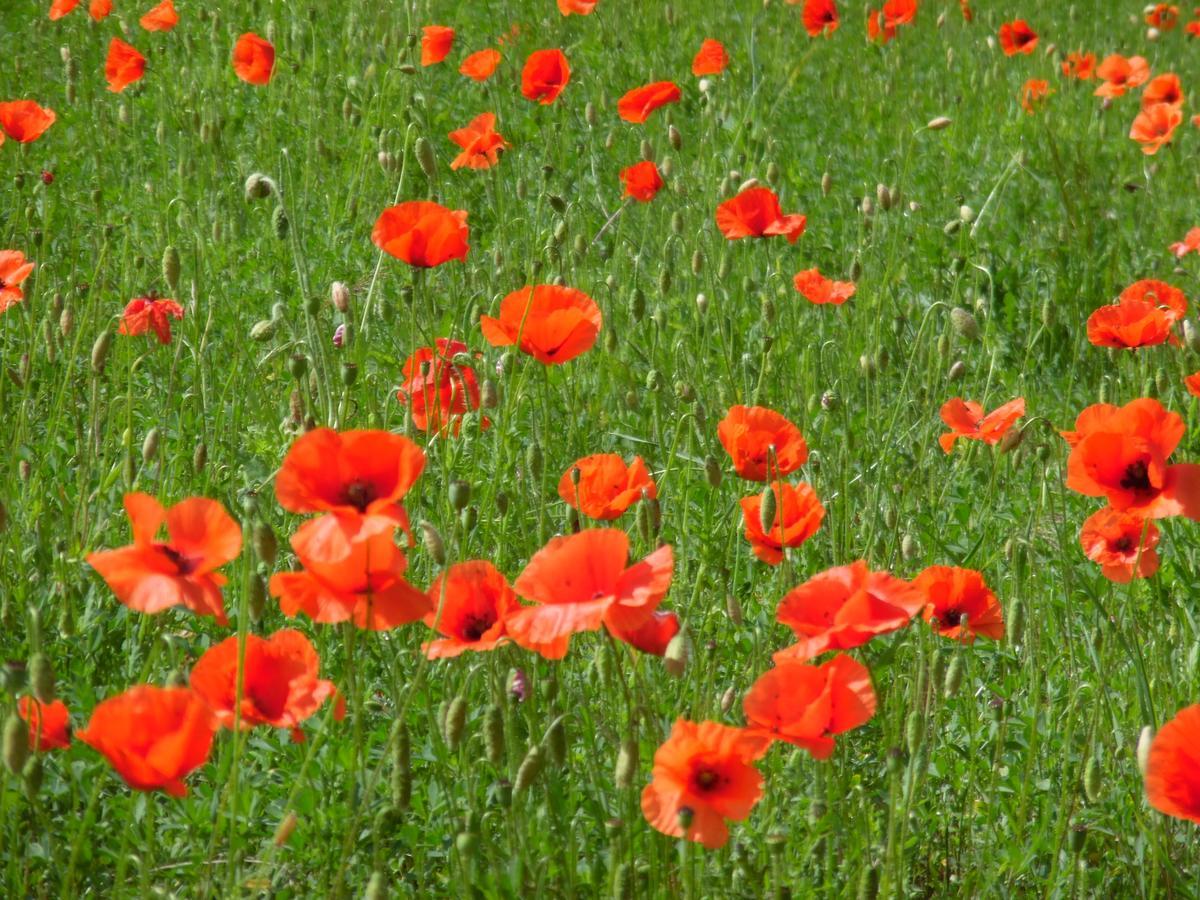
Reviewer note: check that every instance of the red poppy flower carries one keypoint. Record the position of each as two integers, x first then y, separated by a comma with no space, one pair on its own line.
580,582
962,603
49,724
1163,16
438,390
1170,299
966,420
883,22
1120,74
1143,316
151,575
99,9
816,288
704,775
1189,244
751,434
480,143
798,515
1163,89
1091,419
652,636
820,16
14,268
1017,37
1192,383
24,121
710,59
878,28
1079,65
480,65
60,8
807,705
279,687
1033,93
150,314
162,18
1173,766
964,6
544,76
638,103
553,324
607,487
642,181
421,233
1114,540
475,604
755,212
845,607
1155,126
577,7
436,42
366,585
253,59
1192,28
152,736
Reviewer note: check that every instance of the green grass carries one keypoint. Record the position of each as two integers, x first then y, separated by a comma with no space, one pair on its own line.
991,803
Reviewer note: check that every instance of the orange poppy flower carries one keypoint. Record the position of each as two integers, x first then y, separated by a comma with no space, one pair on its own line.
1192,383
551,323
750,434
798,515
642,181
436,43
24,121
652,636
816,288
1155,126
1189,244
807,705
60,8
14,268
280,686
1192,28
1163,16
577,7
1017,37
1033,93
480,65
152,736
964,6
607,487
638,103
100,9
150,575
1091,419
151,313
544,76
1170,299
1120,74
49,724
580,582
366,584
703,775
755,212
882,23
820,16
253,59
480,143
966,420
1173,766
1143,316
1079,65
845,607
954,595
710,59
162,18
1114,540
475,602
1124,458
1164,88
438,390
421,233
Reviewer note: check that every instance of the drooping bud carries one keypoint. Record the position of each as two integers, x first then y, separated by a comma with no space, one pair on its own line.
279,222
676,657
493,734
1145,740
954,675
939,123
432,539
964,323
150,445
41,678
456,721
425,157
259,186
170,267
100,351
531,767
15,743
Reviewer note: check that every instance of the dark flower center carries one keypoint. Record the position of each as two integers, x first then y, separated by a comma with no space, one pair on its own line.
1137,477
1123,544
359,494
952,617
475,626
185,564
707,779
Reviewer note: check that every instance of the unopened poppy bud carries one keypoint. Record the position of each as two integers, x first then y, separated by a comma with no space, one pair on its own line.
432,540
728,698
256,597
1012,440
377,883
266,546
556,741
939,123
501,500
493,734
31,777
286,826
772,173
954,675
830,401
66,321
964,323
826,184
868,883
460,494
1077,838
702,303
951,227
1091,779
867,207
957,371
455,722
531,767
1145,740
339,296
966,214
534,460
279,222
712,471
15,743
41,678
100,351
259,186
489,395
676,657
1191,336
170,267
425,157
867,365
767,509
883,197
1016,621
349,373
914,731
627,763
199,457
685,817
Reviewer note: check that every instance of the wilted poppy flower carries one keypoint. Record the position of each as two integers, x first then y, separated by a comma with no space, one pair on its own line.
807,705
642,181
962,603
60,8
151,313
1189,244
1114,540
752,434
798,515
1163,16
1079,65
436,42
580,582
1090,419
1192,383
438,390
544,76
1173,766
49,723
816,288
845,607
820,16
551,323
151,575
966,420
1155,126
576,7
421,233
1033,93
1120,74
480,65
366,585
652,636
162,18
279,687
1017,37
14,268
253,59
607,487
475,602
480,143
637,104
152,736
1163,89
755,212
703,775
24,121
710,59
99,9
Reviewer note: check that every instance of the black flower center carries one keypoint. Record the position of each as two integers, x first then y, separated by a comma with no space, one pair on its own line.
359,494
1137,477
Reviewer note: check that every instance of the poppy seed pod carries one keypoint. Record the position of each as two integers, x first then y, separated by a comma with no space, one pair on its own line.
15,744
530,768
432,539
100,351
170,267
